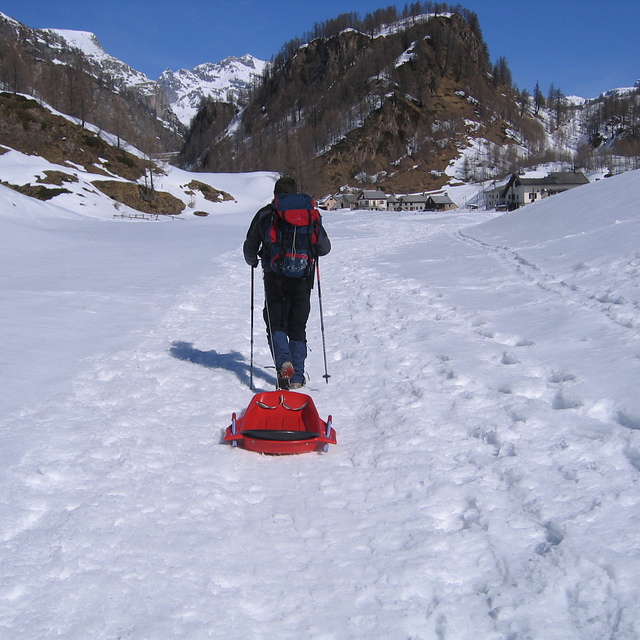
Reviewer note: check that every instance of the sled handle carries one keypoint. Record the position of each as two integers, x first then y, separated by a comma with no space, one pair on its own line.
327,433
329,424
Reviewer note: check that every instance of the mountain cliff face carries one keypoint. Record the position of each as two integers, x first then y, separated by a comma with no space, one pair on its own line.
70,71
390,107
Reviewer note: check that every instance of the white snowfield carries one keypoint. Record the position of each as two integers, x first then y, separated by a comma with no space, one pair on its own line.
484,387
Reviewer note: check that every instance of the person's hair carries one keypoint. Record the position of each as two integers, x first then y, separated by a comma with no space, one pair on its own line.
285,184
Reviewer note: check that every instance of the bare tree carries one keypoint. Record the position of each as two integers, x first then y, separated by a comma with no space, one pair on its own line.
539,101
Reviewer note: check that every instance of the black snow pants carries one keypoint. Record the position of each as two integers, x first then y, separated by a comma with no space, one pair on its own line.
287,305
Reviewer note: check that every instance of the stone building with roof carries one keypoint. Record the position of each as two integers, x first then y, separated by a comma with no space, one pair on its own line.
440,203
373,200
521,190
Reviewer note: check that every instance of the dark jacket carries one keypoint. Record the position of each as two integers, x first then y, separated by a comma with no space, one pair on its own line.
253,246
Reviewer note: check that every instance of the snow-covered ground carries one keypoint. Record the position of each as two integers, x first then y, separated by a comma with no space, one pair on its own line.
484,375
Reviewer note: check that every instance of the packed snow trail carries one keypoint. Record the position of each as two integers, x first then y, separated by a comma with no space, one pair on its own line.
482,486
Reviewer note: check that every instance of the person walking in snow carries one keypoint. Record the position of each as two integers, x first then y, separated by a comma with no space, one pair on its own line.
287,285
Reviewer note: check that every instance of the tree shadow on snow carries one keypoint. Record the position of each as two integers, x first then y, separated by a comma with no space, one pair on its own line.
232,361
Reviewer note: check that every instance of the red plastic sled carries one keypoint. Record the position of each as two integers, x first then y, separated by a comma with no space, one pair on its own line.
281,422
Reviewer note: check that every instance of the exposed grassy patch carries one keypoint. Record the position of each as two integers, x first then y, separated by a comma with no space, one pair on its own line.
39,192
57,178
209,192
134,196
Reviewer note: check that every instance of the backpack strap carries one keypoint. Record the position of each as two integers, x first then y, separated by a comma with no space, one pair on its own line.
272,226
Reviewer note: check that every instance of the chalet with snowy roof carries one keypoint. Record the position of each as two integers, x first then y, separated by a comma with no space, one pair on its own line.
372,200
521,190
440,203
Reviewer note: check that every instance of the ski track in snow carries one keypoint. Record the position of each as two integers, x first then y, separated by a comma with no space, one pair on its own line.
430,519
616,307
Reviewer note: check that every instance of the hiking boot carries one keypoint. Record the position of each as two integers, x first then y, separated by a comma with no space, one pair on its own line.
283,384
296,385
286,371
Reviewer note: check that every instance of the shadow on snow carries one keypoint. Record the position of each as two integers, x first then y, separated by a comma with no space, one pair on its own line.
233,361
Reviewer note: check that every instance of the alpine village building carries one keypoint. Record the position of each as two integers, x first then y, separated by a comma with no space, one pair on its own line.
515,193
520,191
373,200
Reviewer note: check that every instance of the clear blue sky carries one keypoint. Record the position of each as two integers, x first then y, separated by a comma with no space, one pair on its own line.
584,47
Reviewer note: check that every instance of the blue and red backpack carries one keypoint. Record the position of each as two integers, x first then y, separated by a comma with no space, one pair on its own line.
292,234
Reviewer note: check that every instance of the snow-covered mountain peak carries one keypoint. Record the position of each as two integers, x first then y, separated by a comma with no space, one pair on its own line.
232,63
622,91
224,80
88,43
9,19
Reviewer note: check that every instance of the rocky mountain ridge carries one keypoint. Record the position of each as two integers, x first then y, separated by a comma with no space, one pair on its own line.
392,106
405,103
72,72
